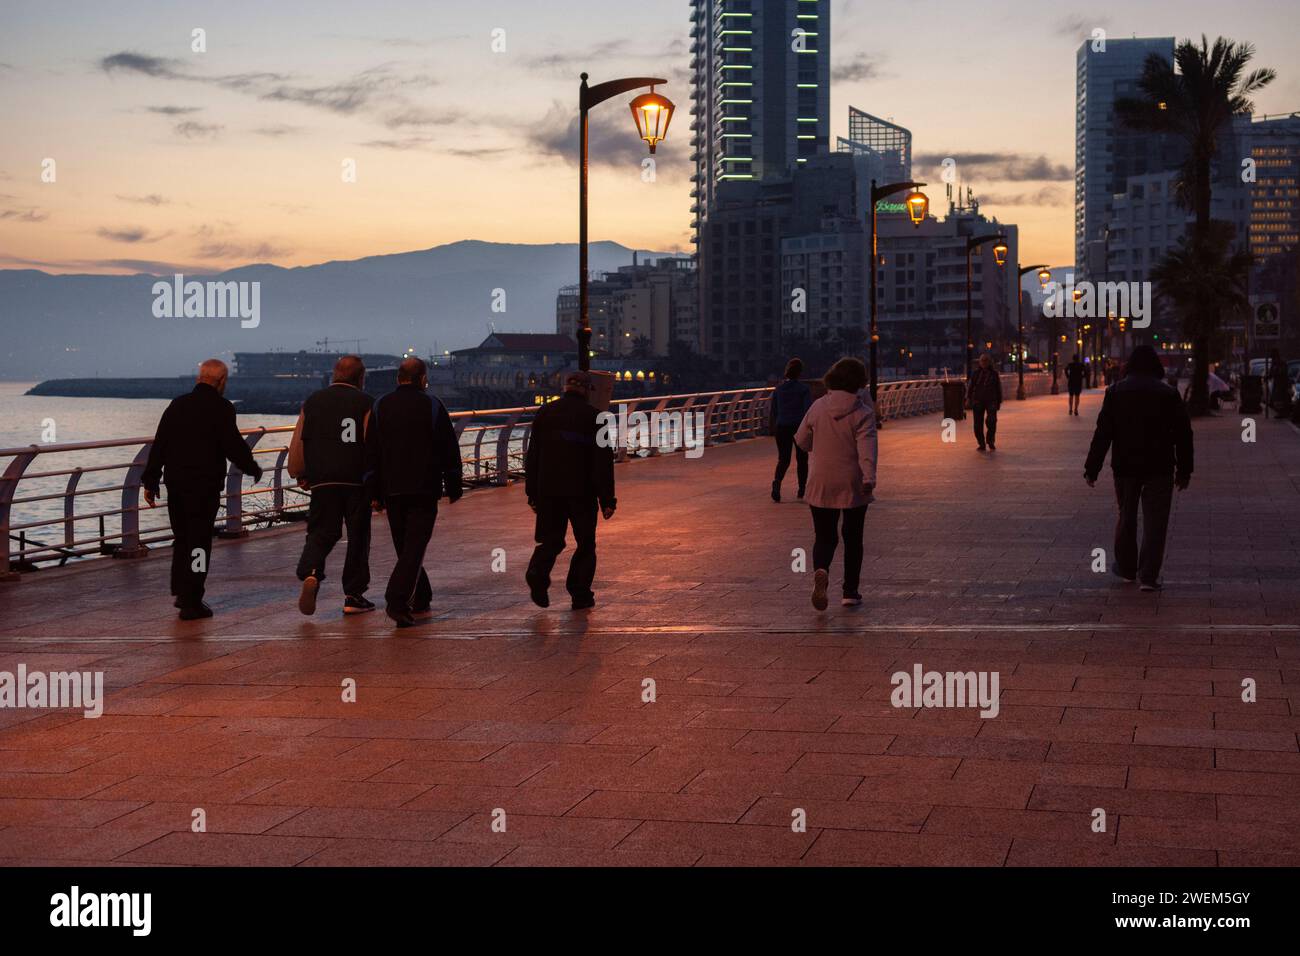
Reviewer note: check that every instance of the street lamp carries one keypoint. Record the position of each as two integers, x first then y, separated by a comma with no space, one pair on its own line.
973,243
1020,325
652,112
918,206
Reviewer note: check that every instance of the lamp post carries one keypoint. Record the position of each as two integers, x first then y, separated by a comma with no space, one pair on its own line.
1020,324
918,205
1000,257
652,113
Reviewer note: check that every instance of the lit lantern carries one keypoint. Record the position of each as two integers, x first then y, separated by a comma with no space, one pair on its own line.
1044,276
918,205
1000,253
652,113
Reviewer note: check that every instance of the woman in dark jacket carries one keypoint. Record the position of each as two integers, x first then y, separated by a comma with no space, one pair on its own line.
790,401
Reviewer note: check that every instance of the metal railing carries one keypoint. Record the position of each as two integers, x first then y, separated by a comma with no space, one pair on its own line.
494,443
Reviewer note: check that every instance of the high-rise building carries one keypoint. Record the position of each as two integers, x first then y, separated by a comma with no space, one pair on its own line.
760,91
881,151
1275,195
640,309
1107,153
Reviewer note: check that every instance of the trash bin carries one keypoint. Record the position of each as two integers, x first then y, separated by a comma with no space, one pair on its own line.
954,400
1251,395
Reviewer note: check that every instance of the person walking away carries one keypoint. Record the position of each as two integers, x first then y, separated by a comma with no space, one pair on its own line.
839,434
412,460
569,475
1075,373
790,401
1145,426
196,435
985,396
328,457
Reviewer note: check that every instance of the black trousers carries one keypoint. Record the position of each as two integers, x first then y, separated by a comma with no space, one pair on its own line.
784,447
191,515
1154,495
986,419
554,515
333,507
410,519
827,539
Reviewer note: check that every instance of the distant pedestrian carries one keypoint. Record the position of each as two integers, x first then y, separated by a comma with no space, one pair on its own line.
1075,375
195,437
412,460
839,434
790,402
1144,424
984,392
328,457
569,475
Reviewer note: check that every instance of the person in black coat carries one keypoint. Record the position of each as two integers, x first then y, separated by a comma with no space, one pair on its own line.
1076,375
412,459
984,392
1145,426
328,457
569,474
196,435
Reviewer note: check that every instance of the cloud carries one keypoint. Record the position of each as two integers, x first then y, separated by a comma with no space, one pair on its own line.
279,129
613,142
153,199
1000,167
855,69
154,267
1047,196
1080,25
404,144
243,251
16,215
173,110
376,87
194,130
130,234
485,152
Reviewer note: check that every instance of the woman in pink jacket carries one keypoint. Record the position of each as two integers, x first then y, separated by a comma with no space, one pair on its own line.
839,434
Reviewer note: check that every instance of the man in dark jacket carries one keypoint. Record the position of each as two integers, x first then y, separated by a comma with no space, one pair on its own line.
328,457
568,474
1145,426
1075,375
196,435
790,402
412,458
985,397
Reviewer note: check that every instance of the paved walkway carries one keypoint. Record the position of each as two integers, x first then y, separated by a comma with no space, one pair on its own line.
1110,699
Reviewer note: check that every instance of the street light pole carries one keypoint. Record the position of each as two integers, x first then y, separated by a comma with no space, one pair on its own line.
972,243
588,97
1020,327
917,205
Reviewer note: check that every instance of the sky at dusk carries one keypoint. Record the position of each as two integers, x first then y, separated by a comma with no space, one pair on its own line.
169,159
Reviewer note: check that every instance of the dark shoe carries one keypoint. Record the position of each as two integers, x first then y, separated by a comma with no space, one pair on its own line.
307,596
537,592
981,448
176,602
195,612
851,600
776,492
801,494
820,580
422,609
992,447
1127,579
584,604
1150,586
357,605
401,616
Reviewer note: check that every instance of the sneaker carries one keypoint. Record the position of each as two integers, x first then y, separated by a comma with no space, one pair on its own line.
357,605
307,596
820,580
400,615
584,604
1150,586
195,612
851,600
776,492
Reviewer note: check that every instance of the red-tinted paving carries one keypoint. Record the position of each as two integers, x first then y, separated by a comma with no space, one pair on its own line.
495,711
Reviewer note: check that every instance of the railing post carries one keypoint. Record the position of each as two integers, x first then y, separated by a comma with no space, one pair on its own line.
708,420
131,546
234,495
70,508
277,496
8,485
503,450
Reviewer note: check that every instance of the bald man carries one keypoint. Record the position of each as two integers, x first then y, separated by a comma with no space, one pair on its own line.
196,435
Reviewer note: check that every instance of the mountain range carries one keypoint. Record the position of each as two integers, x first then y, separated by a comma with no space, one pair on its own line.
63,326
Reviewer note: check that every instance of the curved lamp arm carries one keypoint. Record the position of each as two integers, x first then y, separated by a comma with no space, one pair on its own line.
590,96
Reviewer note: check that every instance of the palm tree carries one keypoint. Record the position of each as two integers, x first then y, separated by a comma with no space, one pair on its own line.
1194,99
